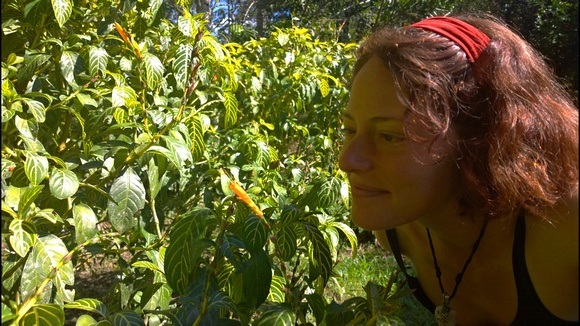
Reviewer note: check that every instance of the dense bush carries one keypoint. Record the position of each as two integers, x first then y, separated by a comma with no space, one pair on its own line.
205,170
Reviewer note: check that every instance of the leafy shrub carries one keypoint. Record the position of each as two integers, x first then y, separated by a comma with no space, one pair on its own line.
210,166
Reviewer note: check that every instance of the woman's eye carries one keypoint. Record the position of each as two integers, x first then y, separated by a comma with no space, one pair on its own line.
348,131
392,138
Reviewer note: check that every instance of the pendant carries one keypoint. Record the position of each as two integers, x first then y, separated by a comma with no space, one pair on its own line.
444,315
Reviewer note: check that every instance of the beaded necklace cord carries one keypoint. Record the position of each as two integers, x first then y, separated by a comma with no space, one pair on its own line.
444,315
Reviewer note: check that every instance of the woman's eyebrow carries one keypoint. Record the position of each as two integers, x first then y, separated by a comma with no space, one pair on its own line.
376,119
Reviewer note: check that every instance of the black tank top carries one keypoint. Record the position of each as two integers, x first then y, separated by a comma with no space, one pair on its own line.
530,312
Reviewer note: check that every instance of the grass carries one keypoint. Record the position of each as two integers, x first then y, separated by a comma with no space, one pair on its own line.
372,264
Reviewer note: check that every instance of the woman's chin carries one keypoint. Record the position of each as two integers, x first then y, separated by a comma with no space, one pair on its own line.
368,224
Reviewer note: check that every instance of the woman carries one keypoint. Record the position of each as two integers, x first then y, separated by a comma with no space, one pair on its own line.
461,150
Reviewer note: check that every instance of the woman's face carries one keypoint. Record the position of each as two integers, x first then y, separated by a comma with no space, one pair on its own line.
393,180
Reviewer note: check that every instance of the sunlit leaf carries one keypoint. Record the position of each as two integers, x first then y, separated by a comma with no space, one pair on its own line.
86,320
277,316
43,315
154,70
63,183
231,105
348,232
196,135
85,223
277,289
123,95
182,65
68,64
179,150
27,127
324,87
128,194
36,108
62,10
27,197
89,304
184,25
23,236
98,59
36,167
46,254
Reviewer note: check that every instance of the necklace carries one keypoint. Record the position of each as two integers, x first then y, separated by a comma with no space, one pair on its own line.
444,315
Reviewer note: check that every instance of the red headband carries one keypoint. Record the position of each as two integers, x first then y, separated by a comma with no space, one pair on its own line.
470,39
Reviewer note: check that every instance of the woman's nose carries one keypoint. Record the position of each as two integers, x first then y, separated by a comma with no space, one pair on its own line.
354,155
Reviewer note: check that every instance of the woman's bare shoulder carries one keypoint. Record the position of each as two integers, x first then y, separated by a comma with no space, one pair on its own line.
560,225
552,258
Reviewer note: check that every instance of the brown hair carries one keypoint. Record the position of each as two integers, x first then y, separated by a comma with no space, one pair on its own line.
516,127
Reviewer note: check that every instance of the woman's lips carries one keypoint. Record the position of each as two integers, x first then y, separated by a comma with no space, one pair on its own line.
366,191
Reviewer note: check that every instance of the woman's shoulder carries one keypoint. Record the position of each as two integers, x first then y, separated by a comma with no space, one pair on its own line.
552,257
560,225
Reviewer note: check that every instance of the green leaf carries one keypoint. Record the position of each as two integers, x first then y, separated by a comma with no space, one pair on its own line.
98,60
128,194
23,236
153,70
86,320
89,304
63,183
348,232
43,315
36,168
123,96
86,100
62,10
181,65
320,258
324,87
255,233
257,278
156,295
148,265
68,63
328,192
85,223
290,214
283,38
185,248
46,254
277,289
278,316
33,61
317,306
262,157
220,299
196,134
27,198
36,108
231,105
286,242
126,318
184,24
28,128
179,150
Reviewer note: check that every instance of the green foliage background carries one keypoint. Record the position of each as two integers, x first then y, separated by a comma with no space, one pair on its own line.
121,132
